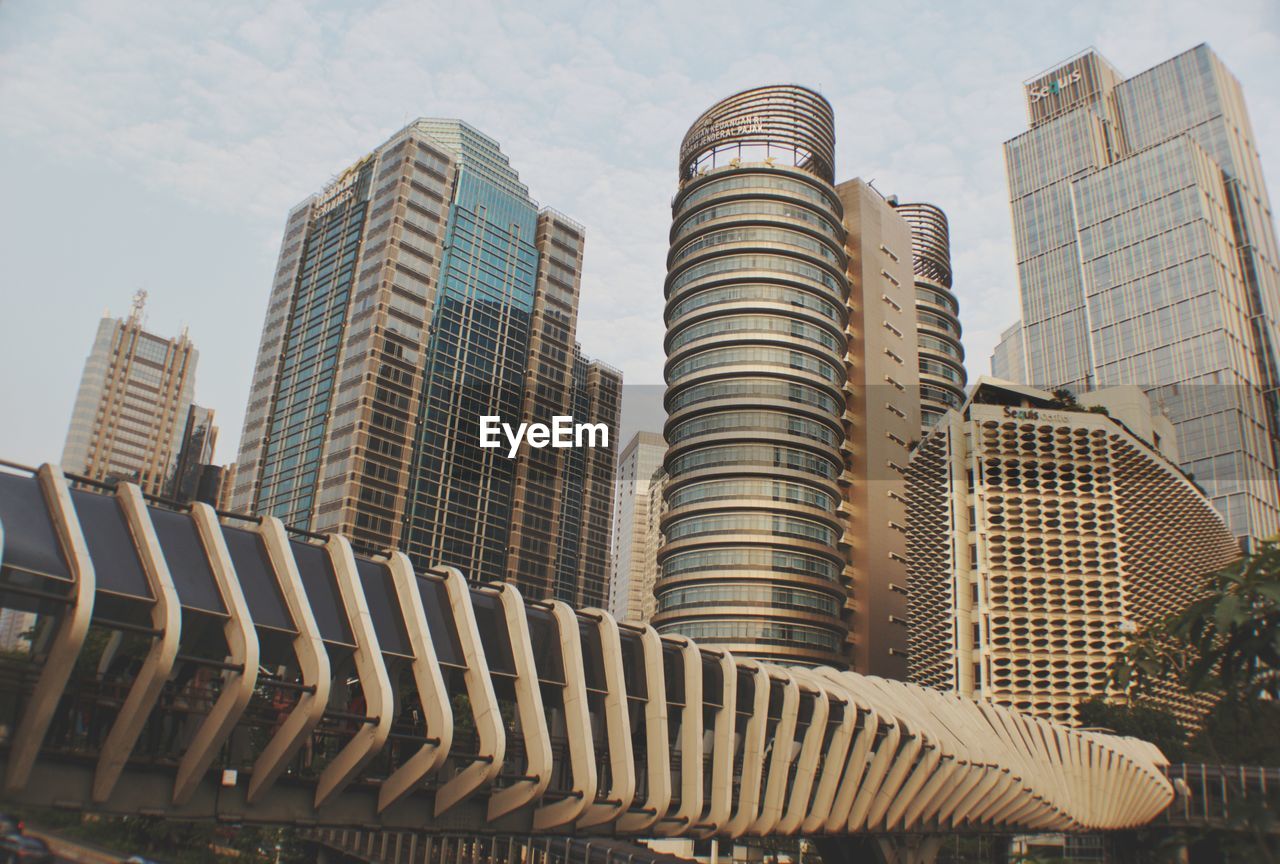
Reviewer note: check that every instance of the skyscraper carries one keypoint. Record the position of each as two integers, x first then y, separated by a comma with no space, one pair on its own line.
132,404
1147,255
1042,533
418,292
792,393
881,425
632,571
942,374
195,477
1007,361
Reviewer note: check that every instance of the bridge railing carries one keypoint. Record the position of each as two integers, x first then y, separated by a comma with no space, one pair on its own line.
196,666
1220,794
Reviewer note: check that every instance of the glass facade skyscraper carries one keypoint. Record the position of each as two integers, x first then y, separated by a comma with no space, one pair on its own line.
1146,255
420,291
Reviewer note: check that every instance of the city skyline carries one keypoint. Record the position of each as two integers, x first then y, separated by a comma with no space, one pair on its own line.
168,175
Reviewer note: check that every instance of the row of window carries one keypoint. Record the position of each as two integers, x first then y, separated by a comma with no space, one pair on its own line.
761,523
750,558
938,298
757,234
942,370
756,355
757,261
764,182
729,421
756,291
756,388
755,454
777,490
765,632
942,346
757,324
761,208
775,596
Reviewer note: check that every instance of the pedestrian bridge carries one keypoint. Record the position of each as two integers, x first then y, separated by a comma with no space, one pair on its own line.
196,665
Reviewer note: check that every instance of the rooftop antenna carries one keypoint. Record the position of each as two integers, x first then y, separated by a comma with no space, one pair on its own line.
139,303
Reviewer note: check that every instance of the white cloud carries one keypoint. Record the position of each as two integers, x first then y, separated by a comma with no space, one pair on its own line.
245,108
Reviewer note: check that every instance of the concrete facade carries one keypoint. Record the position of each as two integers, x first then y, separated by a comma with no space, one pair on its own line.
1041,535
881,423
131,407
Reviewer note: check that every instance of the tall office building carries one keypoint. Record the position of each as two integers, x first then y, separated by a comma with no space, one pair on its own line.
1147,255
131,408
1042,533
792,393
419,291
584,493
195,477
1007,360
631,574
942,373
881,425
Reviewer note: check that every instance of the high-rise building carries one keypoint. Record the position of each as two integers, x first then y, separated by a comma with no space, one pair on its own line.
881,424
584,531
792,393
1146,255
419,291
631,573
194,470
132,404
942,373
1042,533
1007,361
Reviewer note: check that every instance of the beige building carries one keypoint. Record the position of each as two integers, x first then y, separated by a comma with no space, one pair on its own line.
881,423
132,405
793,394
631,572
942,373
1040,535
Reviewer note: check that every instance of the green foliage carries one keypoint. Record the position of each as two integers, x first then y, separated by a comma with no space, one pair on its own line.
1240,733
1137,721
1064,398
1227,642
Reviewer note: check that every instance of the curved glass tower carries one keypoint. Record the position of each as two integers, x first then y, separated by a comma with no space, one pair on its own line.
942,375
756,314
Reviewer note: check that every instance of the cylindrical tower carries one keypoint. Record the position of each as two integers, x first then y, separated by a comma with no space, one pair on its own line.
756,310
942,375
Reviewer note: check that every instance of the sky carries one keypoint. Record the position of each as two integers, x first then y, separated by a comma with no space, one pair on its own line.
159,146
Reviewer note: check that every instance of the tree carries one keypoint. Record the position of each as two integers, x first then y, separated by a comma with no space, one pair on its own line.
1137,721
1226,643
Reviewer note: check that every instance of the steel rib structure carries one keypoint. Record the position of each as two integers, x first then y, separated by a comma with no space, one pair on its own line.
571,721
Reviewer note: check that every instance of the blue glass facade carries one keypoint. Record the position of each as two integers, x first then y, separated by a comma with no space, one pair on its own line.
459,511
420,291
